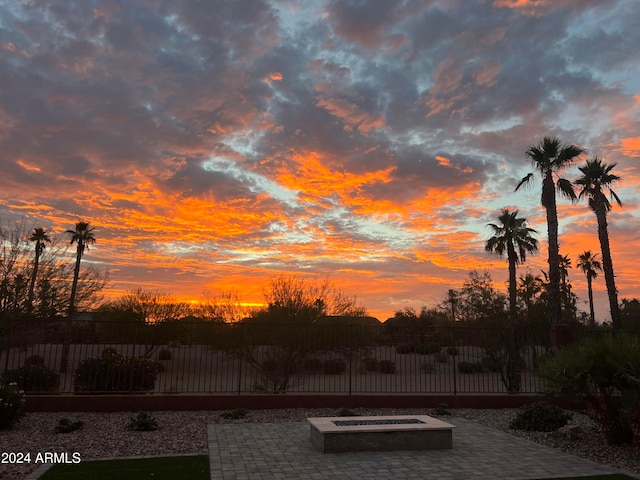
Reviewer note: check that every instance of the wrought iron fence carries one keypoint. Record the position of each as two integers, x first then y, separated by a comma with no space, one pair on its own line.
208,357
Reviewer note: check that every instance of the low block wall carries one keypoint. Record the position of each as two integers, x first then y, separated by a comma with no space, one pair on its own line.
133,403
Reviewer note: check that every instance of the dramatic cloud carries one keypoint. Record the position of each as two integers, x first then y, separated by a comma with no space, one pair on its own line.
215,144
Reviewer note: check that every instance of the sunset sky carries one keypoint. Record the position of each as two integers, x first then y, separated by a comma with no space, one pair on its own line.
214,145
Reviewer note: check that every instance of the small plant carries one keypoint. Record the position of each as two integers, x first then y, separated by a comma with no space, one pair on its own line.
442,357
334,366
452,350
470,367
441,409
11,404
34,360
235,414
67,426
142,422
387,366
404,348
427,367
345,412
164,355
312,365
370,364
110,353
428,348
490,364
34,378
540,417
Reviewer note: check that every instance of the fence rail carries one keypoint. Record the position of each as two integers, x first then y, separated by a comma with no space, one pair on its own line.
207,357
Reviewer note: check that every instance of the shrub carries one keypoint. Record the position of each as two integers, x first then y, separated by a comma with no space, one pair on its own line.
442,357
540,417
428,348
165,354
67,426
109,353
605,374
115,373
370,364
441,409
312,365
452,350
470,367
404,348
235,414
427,367
387,366
11,404
34,378
142,422
345,412
490,364
334,366
34,360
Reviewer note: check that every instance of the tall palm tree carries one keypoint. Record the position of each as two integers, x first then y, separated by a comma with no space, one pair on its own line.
590,266
39,236
82,236
550,158
512,236
596,177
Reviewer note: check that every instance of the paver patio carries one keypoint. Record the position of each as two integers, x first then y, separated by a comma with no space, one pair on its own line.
261,451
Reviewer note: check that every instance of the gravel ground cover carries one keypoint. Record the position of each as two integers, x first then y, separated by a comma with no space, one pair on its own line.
104,435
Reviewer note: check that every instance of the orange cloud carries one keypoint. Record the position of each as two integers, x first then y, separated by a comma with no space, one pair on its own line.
631,146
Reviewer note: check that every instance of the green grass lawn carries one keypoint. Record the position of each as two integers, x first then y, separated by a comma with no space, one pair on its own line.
158,468
614,476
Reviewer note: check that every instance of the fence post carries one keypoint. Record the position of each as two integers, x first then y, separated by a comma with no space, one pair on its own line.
350,359
240,359
455,376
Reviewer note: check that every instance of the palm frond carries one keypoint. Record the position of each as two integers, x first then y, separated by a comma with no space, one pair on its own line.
565,187
525,181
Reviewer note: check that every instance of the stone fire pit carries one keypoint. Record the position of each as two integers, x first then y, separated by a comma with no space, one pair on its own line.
396,432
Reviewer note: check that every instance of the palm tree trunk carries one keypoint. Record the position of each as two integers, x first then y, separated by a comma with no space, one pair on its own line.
607,264
512,281
33,279
549,202
590,289
66,345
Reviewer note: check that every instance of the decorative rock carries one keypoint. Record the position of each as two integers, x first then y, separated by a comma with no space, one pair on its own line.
570,432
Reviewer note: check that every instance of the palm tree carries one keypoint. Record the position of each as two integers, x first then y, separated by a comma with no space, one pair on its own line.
596,177
550,158
39,236
513,236
590,266
82,236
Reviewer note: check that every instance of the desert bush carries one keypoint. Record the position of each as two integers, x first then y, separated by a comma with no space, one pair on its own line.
113,372
34,360
605,374
312,365
234,414
67,426
442,357
428,348
11,404
441,409
404,348
34,378
490,364
387,366
165,354
334,366
370,364
142,422
540,417
452,350
470,367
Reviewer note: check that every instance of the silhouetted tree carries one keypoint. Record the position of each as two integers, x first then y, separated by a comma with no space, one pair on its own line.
550,158
590,266
596,177
41,238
